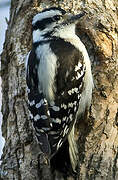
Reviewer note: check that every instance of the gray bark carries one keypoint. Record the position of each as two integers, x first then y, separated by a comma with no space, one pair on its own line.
98,136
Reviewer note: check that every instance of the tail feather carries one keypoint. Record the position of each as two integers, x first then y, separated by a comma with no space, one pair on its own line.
73,150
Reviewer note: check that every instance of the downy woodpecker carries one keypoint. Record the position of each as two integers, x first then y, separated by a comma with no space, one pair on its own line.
59,80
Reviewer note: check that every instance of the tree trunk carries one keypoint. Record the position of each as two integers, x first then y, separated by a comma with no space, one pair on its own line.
98,136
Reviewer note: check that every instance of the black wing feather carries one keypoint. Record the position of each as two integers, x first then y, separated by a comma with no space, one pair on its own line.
52,130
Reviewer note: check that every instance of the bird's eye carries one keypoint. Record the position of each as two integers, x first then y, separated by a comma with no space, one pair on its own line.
57,18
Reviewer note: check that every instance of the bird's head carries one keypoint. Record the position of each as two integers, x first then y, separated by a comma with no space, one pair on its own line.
53,21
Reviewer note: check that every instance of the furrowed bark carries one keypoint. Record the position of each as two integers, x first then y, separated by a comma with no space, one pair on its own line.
97,137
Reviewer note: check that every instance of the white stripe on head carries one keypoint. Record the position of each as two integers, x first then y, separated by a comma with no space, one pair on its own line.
44,15
38,34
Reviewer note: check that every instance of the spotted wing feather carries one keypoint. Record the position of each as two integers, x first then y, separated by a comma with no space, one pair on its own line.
54,120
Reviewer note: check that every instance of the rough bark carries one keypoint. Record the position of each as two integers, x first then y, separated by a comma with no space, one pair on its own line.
98,136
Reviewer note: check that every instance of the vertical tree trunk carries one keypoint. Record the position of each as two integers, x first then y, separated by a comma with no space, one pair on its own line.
98,136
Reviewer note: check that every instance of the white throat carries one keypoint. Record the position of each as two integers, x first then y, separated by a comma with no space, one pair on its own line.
66,32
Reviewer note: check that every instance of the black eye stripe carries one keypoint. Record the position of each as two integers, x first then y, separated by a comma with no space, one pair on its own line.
43,23
57,17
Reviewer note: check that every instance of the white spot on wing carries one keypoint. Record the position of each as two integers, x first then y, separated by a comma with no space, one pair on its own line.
64,106
79,75
73,78
71,117
73,90
38,105
31,103
70,105
51,125
48,112
31,116
42,101
66,129
59,144
45,101
80,86
75,103
57,120
62,93
75,108
64,118
37,117
44,117
55,108
78,96
70,92
77,67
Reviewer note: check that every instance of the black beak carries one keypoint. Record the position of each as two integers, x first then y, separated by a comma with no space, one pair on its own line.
77,17
73,19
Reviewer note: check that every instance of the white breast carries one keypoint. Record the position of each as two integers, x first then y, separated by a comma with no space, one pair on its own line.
46,71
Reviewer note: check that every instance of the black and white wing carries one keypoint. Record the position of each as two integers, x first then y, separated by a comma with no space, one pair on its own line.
53,120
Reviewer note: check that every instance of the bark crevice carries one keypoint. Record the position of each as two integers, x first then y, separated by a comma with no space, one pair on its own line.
98,135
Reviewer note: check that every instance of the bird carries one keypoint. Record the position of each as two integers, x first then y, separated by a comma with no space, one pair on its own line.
59,80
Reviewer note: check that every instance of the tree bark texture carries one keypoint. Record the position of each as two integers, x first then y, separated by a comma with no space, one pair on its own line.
98,136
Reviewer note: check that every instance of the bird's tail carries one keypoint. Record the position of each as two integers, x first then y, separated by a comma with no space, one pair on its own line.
73,150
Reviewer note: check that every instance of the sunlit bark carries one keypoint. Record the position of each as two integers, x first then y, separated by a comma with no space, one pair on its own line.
98,136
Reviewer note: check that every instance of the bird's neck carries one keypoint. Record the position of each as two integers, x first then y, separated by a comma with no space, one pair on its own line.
67,33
